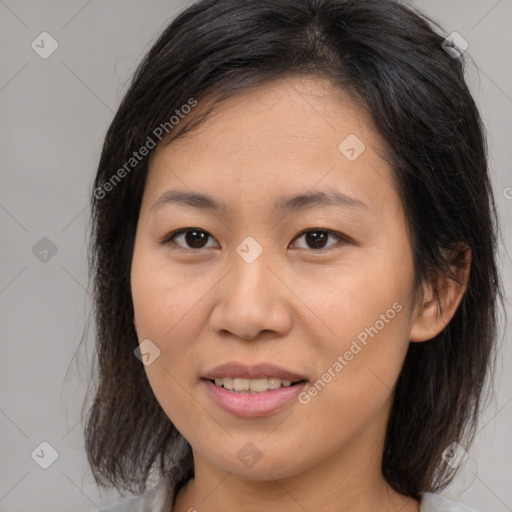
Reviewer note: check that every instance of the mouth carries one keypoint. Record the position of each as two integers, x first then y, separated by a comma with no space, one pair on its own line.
252,392
250,386
259,378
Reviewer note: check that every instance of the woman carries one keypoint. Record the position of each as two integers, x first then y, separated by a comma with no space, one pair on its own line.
293,250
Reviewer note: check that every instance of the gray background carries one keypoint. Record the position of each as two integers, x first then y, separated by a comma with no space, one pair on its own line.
54,114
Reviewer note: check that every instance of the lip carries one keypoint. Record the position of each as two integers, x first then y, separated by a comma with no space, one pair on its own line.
253,405
258,371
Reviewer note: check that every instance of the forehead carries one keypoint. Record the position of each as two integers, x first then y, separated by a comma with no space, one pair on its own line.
277,113
287,134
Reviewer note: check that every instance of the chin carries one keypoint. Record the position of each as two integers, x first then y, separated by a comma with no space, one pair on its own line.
249,464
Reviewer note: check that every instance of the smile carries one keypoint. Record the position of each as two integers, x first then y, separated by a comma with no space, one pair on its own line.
253,404
252,385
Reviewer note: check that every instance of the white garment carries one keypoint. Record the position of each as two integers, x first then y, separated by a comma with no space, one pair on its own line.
161,496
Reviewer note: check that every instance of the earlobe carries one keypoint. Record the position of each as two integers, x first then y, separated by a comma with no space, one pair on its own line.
426,324
442,299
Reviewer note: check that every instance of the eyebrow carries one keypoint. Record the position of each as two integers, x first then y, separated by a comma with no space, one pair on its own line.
285,203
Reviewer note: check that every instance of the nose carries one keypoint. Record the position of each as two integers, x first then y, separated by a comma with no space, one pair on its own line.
251,300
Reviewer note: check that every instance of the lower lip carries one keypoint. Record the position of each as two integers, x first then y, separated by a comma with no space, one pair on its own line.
252,405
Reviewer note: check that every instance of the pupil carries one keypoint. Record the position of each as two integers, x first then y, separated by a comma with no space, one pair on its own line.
194,240
314,237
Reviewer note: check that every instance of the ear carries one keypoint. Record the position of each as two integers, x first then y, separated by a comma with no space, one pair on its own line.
442,296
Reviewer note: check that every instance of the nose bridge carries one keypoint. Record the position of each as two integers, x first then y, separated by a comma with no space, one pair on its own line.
250,274
249,300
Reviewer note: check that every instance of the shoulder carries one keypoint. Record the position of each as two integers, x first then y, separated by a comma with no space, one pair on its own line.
431,502
158,498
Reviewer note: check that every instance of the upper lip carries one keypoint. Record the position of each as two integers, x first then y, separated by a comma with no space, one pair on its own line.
258,371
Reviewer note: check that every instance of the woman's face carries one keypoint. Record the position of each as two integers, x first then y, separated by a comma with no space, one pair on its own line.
319,286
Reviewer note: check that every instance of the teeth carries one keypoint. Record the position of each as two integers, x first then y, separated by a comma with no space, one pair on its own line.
254,385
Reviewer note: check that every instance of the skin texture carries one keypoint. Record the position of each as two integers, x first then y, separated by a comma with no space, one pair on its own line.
296,306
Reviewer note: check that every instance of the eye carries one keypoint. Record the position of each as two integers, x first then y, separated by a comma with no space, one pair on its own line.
195,238
316,238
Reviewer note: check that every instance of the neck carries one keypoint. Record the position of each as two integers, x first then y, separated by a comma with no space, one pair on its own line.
229,493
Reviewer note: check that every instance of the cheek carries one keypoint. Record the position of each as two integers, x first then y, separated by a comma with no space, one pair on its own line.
367,363
362,353
167,308
359,299
354,385
165,301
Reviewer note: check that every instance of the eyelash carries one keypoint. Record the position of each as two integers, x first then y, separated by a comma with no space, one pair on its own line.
168,240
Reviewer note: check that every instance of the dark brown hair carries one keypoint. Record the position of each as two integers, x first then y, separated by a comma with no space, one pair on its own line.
391,60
